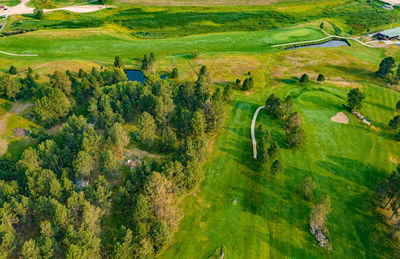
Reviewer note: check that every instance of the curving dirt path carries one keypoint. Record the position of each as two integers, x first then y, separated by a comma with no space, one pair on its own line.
253,134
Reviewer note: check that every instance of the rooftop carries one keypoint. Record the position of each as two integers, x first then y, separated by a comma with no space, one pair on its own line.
391,32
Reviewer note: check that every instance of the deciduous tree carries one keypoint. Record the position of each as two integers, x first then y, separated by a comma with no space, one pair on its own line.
355,98
385,67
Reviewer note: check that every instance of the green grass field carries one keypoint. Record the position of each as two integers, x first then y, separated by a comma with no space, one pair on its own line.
102,46
270,216
154,22
9,3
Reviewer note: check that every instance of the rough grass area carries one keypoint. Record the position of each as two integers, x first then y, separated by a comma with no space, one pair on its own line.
149,22
9,120
200,3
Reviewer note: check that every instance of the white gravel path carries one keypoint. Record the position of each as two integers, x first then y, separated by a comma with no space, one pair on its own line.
253,134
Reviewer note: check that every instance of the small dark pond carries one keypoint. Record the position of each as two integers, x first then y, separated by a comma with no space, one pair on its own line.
138,76
327,44
135,76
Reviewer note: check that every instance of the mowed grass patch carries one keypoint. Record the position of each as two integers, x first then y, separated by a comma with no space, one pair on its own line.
103,45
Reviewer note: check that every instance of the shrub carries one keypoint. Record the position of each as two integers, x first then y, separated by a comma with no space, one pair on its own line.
304,79
276,167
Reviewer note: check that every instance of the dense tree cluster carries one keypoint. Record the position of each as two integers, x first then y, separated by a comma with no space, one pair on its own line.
389,192
61,189
284,111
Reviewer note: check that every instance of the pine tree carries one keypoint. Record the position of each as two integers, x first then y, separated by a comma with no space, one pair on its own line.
118,62
276,167
13,70
304,79
198,124
174,73
147,130
262,154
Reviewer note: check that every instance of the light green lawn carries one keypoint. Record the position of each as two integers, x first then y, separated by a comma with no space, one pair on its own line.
102,45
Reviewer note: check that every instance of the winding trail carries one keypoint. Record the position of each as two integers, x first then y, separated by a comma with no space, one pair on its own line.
18,55
253,134
325,38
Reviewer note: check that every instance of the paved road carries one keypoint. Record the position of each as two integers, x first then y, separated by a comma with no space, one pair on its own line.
253,134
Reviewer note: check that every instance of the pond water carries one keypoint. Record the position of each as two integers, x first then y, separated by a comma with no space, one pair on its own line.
327,44
135,76
138,76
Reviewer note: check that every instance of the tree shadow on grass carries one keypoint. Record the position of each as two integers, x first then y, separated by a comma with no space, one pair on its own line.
371,231
381,106
361,72
288,81
17,146
354,210
242,157
353,170
240,132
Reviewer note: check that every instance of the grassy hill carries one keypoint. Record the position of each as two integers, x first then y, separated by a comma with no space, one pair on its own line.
254,214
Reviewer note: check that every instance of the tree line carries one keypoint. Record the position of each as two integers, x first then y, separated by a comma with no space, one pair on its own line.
283,110
69,196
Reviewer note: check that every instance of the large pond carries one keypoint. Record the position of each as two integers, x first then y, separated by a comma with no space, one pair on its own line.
135,76
327,44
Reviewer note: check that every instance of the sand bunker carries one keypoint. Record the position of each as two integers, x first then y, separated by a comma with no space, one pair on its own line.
340,118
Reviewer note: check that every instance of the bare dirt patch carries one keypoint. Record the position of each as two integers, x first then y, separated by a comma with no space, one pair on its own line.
340,117
3,125
18,107
139,153
3,146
